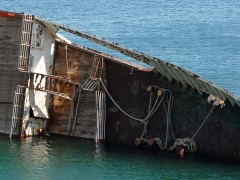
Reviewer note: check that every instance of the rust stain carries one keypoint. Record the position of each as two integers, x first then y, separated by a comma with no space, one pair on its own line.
7,14
107,57
75,67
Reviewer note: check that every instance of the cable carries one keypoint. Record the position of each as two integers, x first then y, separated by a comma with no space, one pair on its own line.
152,111
203,122
189,142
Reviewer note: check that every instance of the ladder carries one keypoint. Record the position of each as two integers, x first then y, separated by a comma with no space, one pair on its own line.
23,62
17,113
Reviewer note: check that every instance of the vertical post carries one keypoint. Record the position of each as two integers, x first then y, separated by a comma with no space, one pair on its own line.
100,115
70,118
76,111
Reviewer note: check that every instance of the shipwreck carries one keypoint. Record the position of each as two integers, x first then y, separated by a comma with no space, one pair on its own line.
50,84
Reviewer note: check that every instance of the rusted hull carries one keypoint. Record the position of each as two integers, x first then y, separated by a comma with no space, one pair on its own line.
218,136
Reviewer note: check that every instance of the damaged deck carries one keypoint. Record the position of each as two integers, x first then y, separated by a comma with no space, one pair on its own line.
168,70
73,90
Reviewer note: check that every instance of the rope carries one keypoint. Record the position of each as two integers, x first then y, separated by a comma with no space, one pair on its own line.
145,128
168,111
171,124
149,110
167,125
189,142
203,123
186,142
159,143
152,111
66,48
90,86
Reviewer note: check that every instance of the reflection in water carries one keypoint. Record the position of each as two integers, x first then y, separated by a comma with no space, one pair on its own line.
31,155
60,157
100,151
35,152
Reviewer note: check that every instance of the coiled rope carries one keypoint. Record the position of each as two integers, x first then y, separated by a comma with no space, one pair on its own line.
189,142
186,142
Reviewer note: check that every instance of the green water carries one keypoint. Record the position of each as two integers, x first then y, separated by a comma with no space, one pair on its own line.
60,157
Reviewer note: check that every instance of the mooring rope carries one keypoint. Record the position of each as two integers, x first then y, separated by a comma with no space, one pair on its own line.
168,112
152,111
144,128
203,123
149,110
189,142
158,140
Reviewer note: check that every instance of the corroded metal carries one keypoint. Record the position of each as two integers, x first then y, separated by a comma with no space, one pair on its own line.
105,56
166,69
66,118
217,137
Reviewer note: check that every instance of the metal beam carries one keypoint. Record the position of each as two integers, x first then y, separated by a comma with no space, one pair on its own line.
157,63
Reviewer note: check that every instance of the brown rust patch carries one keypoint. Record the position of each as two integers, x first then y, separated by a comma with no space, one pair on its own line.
76,67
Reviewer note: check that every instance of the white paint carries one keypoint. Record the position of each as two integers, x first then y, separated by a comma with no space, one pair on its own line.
42,55
62,38
41,61
34,125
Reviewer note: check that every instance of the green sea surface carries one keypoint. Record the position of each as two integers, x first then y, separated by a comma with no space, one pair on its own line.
60,157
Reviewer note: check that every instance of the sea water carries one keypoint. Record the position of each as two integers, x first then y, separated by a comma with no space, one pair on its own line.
200,36
59,157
